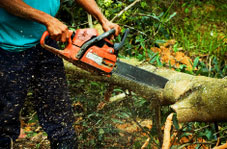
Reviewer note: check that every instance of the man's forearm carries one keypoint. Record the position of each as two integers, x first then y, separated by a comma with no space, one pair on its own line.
91,7
21,9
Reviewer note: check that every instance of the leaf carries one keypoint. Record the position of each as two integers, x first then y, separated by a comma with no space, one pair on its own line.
175,49
155,17
143,4
123,115
140,102
89,129
93,114
198,146
159,63
182,67
140,57
101,131
153,59
117,121
195,63
175,122
171,16
186,10
186,134
209,134
160,41
175,147
161,14
98,122
118,90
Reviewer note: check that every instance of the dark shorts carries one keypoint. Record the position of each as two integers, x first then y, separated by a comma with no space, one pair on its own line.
43,72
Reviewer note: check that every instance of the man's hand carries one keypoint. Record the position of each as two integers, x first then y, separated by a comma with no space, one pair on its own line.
57,30
109,25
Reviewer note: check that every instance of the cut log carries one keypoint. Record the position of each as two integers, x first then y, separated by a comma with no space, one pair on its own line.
193,98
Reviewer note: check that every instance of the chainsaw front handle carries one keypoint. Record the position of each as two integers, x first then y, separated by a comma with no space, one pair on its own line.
50,48
93,41
117,46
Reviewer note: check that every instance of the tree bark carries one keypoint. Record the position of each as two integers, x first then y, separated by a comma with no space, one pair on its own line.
193,98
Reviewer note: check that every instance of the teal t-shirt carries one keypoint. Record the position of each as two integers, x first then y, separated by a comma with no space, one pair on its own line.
18,34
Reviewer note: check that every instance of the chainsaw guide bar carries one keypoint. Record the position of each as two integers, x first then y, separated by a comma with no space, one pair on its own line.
139,75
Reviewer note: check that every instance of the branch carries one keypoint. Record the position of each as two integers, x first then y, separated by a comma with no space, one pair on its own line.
157,119
89,17
221,146
126,8
130,27
146,143
167,129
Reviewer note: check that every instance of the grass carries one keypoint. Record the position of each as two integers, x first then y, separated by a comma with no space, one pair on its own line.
202,30
203,44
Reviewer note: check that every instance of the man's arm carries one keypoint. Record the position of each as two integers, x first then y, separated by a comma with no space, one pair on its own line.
57,29
91,7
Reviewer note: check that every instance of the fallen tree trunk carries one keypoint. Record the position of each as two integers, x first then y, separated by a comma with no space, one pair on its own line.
193,98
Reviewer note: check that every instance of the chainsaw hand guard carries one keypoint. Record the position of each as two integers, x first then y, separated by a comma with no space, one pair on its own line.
118,46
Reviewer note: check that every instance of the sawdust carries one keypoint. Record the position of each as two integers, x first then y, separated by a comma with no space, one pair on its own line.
174,58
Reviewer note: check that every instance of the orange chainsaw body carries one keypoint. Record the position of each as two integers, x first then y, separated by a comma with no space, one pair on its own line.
99,57
95,53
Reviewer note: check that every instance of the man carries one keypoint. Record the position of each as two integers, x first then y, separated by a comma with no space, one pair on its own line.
24,64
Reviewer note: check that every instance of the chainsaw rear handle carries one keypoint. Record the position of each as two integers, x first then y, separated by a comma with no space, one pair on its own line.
50,48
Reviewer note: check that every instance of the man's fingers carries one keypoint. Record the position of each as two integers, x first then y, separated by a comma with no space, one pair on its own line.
62,36
58,30
110,25
55,34
65,36
118,30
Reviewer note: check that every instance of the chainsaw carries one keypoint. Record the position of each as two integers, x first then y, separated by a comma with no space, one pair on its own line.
95,53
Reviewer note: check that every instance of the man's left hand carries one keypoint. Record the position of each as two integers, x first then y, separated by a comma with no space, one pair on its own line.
109,25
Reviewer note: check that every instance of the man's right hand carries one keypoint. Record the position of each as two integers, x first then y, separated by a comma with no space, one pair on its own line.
57,30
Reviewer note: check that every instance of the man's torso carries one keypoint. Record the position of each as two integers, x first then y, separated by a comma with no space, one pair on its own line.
18,34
